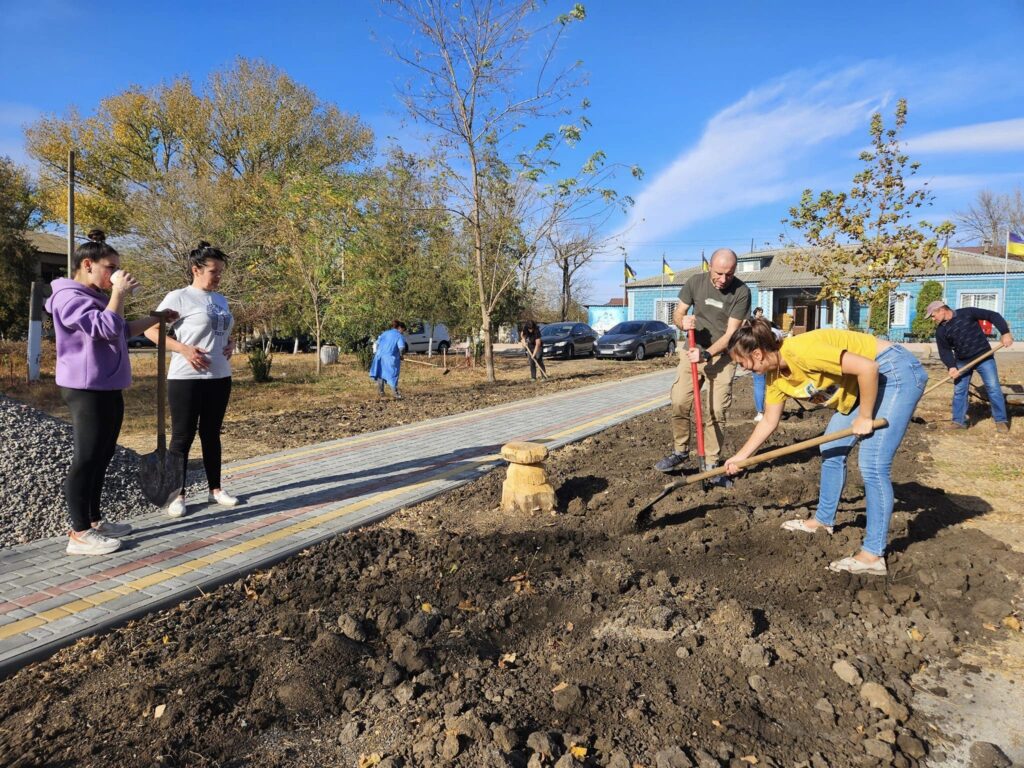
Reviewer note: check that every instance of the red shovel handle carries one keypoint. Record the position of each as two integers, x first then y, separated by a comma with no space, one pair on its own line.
698,412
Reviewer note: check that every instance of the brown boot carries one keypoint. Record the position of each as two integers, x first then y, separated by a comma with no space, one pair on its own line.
950,425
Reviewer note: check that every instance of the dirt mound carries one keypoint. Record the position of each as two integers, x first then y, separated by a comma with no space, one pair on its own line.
457,635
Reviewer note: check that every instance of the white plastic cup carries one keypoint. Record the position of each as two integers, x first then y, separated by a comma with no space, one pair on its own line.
131,290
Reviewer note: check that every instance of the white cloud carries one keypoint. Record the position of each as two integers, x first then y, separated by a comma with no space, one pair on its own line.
755,151
999,136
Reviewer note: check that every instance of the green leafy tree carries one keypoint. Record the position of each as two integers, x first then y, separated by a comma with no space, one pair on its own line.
18,213
177,163
862,243
923,326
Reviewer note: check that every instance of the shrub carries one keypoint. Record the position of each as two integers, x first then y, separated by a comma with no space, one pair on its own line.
879,322
260,361
364,354
923,326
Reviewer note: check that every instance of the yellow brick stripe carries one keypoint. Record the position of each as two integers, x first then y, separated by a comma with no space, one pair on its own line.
144,582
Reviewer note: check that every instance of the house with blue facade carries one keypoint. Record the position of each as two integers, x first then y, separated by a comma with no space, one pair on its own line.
971,278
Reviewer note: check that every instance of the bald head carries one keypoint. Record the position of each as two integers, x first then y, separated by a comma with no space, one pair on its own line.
722,267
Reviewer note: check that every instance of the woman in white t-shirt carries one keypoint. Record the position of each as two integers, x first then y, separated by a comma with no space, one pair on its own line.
199,378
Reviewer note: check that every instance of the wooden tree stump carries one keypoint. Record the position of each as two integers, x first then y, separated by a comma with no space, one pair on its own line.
526,487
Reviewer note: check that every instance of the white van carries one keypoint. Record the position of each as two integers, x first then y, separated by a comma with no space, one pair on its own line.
421,336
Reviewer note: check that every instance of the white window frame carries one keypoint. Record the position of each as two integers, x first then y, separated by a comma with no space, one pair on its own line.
963,297
899,310
663,309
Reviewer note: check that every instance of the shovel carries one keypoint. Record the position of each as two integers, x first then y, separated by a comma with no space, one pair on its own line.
698,411
444,371
537,365
161,473
702,477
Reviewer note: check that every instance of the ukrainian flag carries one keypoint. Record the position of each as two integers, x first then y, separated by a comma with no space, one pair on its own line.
666,269
1014,244
630,274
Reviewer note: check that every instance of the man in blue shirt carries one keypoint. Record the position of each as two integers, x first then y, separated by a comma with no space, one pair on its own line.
960,340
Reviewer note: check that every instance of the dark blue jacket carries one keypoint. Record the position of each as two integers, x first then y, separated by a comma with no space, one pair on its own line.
961,339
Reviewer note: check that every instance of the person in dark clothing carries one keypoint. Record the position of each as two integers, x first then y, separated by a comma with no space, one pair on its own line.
531,338
960,340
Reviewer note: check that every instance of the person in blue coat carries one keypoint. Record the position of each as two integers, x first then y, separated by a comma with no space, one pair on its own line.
387,361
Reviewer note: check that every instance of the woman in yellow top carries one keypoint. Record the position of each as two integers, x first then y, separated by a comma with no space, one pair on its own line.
863,378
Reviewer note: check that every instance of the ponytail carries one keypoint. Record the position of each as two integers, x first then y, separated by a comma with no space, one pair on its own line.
754,333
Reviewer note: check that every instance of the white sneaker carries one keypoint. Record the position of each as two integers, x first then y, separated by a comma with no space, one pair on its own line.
758,417
112,530
223,498
91,543
177,507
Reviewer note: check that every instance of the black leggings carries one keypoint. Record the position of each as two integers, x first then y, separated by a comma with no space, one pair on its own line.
199,404
96,417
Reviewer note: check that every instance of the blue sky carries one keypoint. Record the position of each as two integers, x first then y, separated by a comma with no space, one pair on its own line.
731,108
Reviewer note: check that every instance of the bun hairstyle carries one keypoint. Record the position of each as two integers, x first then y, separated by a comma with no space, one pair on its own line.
94,249
754,333
200,255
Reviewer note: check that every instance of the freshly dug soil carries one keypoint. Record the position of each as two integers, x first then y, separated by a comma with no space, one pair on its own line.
454,634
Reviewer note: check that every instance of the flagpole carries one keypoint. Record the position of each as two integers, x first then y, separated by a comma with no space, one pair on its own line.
1006,267
661,294
625,282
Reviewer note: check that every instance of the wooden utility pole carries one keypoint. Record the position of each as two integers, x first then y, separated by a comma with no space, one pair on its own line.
71,208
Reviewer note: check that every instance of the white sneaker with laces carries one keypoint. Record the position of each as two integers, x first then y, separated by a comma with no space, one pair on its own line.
223,498
91,543
758,417
177,507
112,530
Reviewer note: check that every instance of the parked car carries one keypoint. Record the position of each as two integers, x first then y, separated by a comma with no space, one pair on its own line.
422,334
568,340
139,342
307,343
637,339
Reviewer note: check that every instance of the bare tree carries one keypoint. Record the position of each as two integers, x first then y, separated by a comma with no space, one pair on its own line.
472,86
990,216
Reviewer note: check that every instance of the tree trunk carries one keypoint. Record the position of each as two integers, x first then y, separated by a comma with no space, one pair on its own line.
566,290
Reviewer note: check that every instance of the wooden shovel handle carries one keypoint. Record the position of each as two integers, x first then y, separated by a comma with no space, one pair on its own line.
979,359
161,387
769,455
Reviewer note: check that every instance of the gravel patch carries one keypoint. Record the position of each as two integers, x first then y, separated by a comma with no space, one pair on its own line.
35,453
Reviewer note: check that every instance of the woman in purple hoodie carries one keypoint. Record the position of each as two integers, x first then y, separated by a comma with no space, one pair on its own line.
92,369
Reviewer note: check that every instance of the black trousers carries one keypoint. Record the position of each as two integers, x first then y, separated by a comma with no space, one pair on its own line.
199,405
96,418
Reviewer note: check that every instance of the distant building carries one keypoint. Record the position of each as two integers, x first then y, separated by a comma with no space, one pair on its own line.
972,279
601,317
52,255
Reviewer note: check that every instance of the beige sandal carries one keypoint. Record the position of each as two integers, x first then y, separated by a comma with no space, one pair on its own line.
853,565
803,527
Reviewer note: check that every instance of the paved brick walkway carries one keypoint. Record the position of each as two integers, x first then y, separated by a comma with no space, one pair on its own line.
292,499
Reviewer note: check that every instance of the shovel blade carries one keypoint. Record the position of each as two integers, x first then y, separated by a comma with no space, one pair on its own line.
161,476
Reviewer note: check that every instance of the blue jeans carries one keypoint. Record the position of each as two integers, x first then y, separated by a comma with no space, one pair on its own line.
759,385
901,381
990,378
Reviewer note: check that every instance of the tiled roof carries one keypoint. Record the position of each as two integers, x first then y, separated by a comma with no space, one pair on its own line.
779,274
47,242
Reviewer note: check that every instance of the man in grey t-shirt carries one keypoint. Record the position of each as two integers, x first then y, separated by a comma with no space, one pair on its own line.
720,303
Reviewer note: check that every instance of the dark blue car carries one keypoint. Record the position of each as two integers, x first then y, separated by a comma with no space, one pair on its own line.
637,339
568,340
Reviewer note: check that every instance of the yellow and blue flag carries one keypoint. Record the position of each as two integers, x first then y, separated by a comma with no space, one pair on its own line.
666,269
705,267
630,274
1014,244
